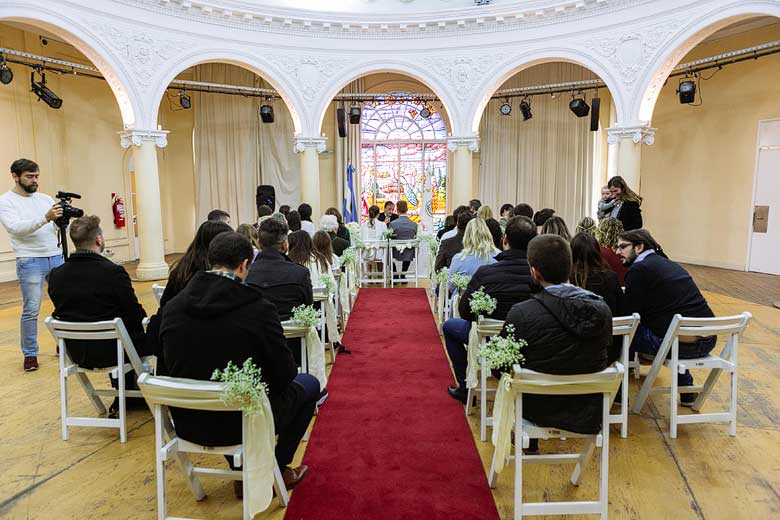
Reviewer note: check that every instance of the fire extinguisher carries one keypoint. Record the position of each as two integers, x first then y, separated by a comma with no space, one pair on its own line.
118,207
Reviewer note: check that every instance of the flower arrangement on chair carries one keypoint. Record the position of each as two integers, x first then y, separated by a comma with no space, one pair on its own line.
243,386
305,316
481,303
501,353
460,281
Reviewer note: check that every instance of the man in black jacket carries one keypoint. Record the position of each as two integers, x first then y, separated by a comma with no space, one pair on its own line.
657,289
568,331
508,281
215,320
452,246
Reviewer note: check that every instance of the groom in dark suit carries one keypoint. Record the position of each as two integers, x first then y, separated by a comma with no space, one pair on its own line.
403,228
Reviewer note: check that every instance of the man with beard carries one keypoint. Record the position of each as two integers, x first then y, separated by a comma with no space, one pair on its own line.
29,216
657,289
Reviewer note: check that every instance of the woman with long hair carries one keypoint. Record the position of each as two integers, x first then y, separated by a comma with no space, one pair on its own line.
478,250
342,231
449,225
505,213
586,225
294,221
249,232
627,203
486,214
607,234
324,245
373,229
301,251
555,225
592,273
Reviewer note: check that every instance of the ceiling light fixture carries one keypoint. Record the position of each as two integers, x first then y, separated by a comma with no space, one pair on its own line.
43,92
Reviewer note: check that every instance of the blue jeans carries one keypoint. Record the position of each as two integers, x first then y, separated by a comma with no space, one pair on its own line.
32,272
456,336
645,342
311,387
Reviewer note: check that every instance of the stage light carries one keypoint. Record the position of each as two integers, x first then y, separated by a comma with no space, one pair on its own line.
525,109
579,106
354,115
687,91
267,113
506,108
43,92
425,113
184,100
6,74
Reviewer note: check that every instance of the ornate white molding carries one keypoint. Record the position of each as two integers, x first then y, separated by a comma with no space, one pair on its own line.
637,133
311,72
135,137
301,143
471,141
463,73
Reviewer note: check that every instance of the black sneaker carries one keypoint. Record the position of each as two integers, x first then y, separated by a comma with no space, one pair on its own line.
687,400
458,393
30,363
323,397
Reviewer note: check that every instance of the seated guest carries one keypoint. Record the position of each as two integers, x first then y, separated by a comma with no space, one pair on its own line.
215,320
330,225
474,205
508,281
449,225
373,229
294,220
607,234
280,217
590,272
302,252
568,331
478,250
505,214
323,245
586,225
452,246
250,233
264,211
454,231
284,209
403,228
220,215
389,214
486,214
657,289
524,210
90,287
556,226
304,210
342,232
541,216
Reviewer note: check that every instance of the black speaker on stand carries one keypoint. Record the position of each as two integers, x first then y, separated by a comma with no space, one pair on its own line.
266,196
341,119
595,105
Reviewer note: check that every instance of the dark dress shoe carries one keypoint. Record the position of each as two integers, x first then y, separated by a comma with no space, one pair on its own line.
294,476
458,393
238,489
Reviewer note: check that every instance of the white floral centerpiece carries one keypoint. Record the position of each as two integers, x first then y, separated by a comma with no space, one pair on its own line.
329,283
243,386
481,303
355,235
305,316
460,281
433,244
503,352
388,235
349,256
442,275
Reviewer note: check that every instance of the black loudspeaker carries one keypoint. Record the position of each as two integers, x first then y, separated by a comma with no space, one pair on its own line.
266,195
267,113
354,115
595,105
341,119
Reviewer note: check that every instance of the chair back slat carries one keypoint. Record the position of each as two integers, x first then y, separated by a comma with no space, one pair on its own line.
489,326
178,392
531,382
625,325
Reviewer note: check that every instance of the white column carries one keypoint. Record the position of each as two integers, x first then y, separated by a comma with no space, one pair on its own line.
151,265
462,181
309,148
630,139
612,149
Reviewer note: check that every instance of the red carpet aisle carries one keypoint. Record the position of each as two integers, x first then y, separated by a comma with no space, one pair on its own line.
390,443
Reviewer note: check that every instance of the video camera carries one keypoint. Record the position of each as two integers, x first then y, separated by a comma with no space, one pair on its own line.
68,212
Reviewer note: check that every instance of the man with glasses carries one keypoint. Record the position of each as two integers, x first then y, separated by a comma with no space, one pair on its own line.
657,289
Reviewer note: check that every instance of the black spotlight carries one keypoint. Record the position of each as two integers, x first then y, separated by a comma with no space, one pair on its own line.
425,113
6,74
687,91
267,113
506,108
354,115
525,109
43,92
579,106
184,100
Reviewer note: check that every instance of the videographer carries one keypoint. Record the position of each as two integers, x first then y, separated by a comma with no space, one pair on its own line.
29,217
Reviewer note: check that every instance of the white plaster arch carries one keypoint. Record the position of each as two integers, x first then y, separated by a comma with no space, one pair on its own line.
240,58
93,47
522,61
379,66
684,40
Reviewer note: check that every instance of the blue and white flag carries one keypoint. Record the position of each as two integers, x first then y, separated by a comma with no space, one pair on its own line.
350,205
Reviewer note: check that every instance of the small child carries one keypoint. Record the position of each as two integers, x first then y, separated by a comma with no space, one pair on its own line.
605,204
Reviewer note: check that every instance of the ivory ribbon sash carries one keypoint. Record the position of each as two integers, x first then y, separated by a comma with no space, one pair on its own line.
472,356
315,353
330,320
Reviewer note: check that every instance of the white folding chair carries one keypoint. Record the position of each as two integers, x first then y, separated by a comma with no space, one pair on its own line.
373,252
403,245
530,382
486,328
731,326
624,326
93,331
165,392
158,291
320,296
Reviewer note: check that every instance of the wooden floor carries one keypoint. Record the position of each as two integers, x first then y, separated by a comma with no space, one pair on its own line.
703,474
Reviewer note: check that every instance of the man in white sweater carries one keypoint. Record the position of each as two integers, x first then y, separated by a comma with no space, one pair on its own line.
29,216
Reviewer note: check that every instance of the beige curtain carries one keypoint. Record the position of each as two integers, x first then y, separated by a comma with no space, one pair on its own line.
546,161
348,151
235,152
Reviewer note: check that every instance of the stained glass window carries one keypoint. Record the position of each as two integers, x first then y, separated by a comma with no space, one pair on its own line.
404,157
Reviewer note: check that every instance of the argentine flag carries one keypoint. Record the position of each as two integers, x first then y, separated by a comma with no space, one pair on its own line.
350,206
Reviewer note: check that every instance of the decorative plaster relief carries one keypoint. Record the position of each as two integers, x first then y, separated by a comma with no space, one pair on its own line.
135,137
311,72
301,143
462,72
471,141
632,50
637,133
144,51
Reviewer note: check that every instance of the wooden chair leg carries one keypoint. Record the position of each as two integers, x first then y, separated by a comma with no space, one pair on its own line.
493,476
585,457
733,403
709,384
90,390
64,400
483,400
281,490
